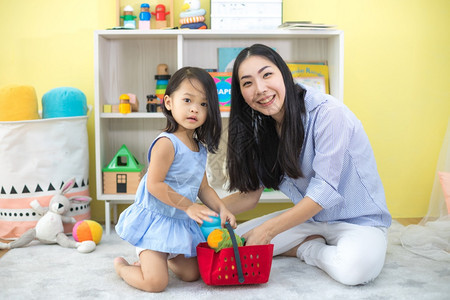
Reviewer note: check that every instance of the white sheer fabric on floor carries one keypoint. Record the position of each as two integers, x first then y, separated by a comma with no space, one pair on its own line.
431,237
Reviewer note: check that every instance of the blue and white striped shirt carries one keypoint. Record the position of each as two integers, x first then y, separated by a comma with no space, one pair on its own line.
340,172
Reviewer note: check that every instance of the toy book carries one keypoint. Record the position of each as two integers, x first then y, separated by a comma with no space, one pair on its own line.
223,84
314,81
301,71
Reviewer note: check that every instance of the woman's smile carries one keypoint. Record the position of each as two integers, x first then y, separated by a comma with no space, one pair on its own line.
266,101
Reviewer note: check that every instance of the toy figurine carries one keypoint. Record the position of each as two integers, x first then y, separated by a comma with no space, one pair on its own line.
144,17
153,105
192,16
128,18
124,106
160,14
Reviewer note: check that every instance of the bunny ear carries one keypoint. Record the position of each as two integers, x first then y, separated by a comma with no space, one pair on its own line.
80,198
67,185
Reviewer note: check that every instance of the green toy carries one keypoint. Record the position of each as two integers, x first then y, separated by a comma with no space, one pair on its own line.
220,239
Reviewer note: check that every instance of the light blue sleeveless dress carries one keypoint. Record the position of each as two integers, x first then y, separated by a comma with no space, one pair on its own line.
151,224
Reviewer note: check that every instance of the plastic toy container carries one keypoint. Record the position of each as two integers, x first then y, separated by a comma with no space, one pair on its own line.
236,265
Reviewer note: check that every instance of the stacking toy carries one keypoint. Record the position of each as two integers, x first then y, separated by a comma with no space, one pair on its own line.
162,80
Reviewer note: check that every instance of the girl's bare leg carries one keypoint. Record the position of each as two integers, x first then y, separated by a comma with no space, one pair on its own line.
152,275
184,268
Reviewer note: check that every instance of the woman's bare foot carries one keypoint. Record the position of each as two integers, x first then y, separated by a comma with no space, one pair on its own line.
119,262
293,252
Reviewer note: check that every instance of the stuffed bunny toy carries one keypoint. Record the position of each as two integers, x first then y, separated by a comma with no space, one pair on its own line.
49,229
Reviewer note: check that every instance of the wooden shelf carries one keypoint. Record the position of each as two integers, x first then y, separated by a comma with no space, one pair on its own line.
125,61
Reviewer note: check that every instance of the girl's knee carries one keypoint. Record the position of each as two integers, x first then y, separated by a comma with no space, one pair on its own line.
156,284
190,275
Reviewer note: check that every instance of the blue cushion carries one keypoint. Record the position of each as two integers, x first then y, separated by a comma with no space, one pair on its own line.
63,102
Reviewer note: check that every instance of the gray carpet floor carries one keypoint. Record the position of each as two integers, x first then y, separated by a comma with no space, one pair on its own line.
51,272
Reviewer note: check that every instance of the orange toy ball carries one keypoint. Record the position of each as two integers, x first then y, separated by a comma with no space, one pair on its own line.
87,230
214,238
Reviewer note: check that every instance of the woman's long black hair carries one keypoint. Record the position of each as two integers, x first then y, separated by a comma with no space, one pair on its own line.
256,155
209,133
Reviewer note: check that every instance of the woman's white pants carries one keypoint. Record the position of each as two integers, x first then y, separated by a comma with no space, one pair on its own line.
351,254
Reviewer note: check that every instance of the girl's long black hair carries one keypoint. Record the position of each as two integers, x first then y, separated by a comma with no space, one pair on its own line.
256,155
209,133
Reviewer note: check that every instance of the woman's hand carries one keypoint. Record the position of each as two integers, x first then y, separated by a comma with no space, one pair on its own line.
258,236
264,233
200,213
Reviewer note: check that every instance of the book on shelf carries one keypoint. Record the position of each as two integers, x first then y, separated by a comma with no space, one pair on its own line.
304,25
311,73
315,82
223,85
226,57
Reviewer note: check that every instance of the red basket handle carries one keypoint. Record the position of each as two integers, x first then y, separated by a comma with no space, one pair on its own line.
236,253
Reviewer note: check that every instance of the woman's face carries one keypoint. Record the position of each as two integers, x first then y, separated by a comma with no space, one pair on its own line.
262,86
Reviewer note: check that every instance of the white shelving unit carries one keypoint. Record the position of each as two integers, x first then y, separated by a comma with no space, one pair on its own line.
126,60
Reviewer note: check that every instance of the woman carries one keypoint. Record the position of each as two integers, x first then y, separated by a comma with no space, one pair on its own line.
311,147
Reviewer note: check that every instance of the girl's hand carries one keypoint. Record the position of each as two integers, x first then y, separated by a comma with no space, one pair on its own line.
257,236
227,216
200,213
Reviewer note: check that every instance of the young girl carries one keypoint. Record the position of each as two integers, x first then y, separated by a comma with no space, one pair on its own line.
162,222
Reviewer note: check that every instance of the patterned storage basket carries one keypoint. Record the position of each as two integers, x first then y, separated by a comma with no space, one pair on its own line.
37,156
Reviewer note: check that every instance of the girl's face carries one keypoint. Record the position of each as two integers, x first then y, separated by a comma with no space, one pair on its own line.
262,86
188,104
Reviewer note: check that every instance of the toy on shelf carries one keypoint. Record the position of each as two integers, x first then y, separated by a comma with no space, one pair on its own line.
128,18
192,16
49,229
134,102
144,17
153,105
162,79
87,230
124,106
123,174
160,15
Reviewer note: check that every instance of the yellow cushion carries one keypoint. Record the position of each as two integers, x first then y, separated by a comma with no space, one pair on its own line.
18,102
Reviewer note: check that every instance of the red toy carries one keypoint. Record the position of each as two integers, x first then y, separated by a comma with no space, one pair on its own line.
235,265
160,14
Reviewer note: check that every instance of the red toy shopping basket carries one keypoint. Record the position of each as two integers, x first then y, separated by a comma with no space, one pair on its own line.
236,265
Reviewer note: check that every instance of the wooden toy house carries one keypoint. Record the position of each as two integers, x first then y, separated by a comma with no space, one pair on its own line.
123,174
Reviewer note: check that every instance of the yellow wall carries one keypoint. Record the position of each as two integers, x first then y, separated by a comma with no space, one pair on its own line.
396,80
396,73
